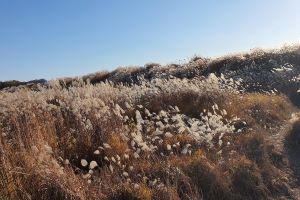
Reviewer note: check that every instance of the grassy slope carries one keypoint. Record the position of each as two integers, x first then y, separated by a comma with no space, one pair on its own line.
203,130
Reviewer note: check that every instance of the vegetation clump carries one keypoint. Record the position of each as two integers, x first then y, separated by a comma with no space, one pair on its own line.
203,130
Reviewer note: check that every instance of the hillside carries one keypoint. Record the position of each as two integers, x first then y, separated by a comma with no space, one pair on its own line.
212,128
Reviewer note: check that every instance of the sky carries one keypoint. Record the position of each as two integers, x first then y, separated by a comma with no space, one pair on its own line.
63,38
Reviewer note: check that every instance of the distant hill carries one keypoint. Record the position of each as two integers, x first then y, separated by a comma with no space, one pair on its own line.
260,70
14,83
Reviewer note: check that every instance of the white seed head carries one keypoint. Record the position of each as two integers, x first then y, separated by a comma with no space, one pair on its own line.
106,158
93,164
136,186
48,149
67,162
125,174
97,152
136,155
169,148
86,176
184,151
168,135
106,146
111,168
83,163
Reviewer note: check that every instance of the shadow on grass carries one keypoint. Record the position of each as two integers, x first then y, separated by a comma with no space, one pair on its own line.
292,147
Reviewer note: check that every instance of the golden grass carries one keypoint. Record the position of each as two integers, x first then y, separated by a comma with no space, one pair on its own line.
260,109
240,168
118,145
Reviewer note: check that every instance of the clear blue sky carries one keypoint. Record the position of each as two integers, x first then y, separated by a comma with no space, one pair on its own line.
57,38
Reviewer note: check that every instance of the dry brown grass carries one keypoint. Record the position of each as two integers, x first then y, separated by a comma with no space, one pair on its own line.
260,109
200,176
189,102
41,131
118,145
